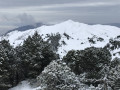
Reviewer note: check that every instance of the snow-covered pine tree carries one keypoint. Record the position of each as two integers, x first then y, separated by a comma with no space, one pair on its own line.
54,40
5,64
36,55
58,76
89,60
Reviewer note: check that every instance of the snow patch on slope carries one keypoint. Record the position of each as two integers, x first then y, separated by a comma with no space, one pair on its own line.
24,85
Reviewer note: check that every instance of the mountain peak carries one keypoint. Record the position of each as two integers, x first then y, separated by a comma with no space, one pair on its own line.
71,22
79,35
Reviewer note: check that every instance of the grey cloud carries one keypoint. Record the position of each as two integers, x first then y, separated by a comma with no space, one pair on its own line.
11,22
21,3
14,13
25,19
17,20
18,3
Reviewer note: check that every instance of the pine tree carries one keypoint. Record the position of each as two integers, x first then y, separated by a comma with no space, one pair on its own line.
89,60
5,62
54,40
36,55
58,76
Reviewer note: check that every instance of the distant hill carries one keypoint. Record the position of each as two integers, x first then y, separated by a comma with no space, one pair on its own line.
114,24
26,27
111,24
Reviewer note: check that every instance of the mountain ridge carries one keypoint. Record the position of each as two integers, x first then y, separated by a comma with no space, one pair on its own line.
81,35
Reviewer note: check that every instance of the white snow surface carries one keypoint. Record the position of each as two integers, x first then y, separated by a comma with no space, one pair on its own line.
24,85
79,33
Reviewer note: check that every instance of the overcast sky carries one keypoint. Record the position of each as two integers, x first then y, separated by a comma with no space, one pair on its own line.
14,13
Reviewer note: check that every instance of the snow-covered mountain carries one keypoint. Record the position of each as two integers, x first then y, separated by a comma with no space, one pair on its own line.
76,35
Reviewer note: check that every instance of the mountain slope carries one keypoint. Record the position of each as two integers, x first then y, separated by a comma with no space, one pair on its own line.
76,35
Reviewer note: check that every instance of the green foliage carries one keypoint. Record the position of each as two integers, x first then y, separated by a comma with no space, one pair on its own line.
24,62
54,41
100,39
6,58
30,59
88,60
66,35
115,62
36,55
58,76
93,74
113,44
